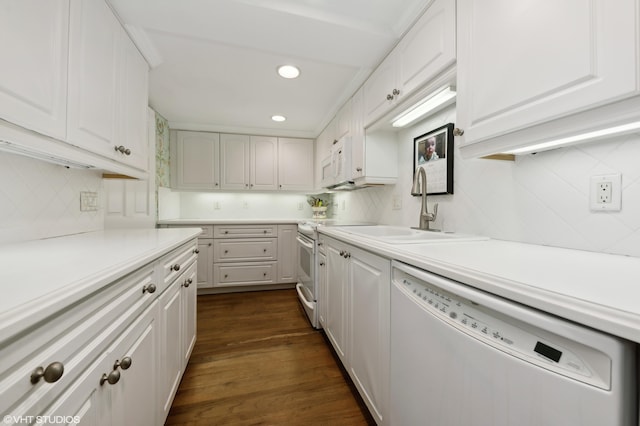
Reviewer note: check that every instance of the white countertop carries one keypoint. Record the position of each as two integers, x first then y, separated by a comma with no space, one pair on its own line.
229,221
594,289
48,275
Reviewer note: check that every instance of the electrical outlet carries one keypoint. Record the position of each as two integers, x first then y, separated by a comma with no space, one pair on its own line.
300,206
606,192
88,201
397,202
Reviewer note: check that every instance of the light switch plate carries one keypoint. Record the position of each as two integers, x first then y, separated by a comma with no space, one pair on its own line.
88,201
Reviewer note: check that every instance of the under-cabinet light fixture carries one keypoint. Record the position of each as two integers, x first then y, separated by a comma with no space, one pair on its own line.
582,137
424,106
13,148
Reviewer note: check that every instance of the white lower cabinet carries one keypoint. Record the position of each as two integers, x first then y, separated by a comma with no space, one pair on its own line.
356,301
249,255
114,358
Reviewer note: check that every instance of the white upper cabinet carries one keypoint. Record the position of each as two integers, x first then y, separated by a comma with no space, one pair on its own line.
522,66
427,49
263,163
195,160
249,162
33,79
234,161
93,71
295,164
134,92
108,86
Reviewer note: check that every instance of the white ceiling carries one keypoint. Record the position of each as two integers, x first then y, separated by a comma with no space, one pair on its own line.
218,58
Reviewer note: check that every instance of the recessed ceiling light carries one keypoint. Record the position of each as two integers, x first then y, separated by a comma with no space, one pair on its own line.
278,118
288,71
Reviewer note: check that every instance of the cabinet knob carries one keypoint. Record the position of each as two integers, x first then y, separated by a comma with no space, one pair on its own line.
176,267
120,149
264,274
187,283
226,251
389,97
264,250
127,151
124,363
395,92
226,275
215,184
321,263
112,378
51,374
151,288
226,232
196,251
358,169
264,232
458,132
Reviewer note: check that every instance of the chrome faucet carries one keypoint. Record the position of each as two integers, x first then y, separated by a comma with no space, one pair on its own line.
425,217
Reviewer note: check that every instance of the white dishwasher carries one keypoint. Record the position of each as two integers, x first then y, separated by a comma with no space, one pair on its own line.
460,356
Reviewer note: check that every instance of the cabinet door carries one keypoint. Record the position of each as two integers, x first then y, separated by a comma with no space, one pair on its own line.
573,55
336,299
322,290
234,161
196,155
287,254
428,48
33,82
295,164
379,97
369,323
357,135
135,398
189,306
172,335
264,163
133,105
94,49
205,263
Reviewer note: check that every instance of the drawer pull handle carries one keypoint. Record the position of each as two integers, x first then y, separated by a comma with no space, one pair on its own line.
151,288
124,363
264,274
176,267
187,283
112,378
196,251
51,374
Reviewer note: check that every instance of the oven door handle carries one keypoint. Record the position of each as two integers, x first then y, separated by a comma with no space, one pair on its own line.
301,296
304,243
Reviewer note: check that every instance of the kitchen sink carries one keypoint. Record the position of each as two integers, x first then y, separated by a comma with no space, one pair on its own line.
402,235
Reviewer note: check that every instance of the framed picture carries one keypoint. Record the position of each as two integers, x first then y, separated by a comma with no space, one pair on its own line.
434,152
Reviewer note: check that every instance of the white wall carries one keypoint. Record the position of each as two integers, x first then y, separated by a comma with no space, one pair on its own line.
541,199
227,205
42,200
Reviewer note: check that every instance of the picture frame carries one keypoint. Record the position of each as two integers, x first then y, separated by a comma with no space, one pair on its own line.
434,152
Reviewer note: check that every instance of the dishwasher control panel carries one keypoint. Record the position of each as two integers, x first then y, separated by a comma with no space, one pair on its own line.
505,333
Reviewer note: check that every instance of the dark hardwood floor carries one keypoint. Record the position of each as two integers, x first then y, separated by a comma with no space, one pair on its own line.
257,361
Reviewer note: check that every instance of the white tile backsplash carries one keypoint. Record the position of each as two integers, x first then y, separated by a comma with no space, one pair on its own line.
232,205
541,198
42,200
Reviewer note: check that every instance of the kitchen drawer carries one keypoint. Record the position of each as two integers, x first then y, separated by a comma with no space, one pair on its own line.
177,261
74,338
259,249
231,274
245,231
